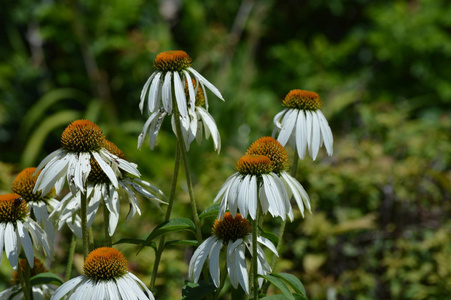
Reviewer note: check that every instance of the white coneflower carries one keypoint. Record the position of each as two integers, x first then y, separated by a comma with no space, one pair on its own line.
100,188
39,291
15,229
105,276
255,180
235,234
199,121
39,204
302,124
278,155
81,141
173,68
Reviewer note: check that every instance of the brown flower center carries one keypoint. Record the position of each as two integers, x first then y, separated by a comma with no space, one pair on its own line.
24,183
12,208
172,61
271,148
105,263
254,165
305,100
230,229
82,136
38,268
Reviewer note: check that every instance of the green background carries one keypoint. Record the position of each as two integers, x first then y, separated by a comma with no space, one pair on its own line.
380,226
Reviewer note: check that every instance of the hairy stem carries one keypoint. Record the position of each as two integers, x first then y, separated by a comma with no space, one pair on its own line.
166,217
70,260
23,282
221,284
294,168
189,183
255,255
106,221
84,225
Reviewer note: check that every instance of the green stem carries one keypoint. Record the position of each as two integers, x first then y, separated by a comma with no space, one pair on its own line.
23,282
106,221
84,225
27,280
294,168
255,255
70,260
166,217
187,174
221,284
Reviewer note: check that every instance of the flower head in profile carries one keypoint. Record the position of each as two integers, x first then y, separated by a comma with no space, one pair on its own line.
99,188
173,68
192,102
106,276
81,141
16,227
271,148
39,291
302,124
254,182
235,234
40,205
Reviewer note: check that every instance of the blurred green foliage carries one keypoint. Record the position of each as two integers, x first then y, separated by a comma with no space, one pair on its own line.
380,227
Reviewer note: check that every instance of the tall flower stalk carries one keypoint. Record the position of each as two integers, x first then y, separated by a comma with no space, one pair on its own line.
176,89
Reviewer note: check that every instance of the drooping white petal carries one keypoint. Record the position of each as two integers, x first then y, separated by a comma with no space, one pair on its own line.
252,197
231,263
204,81
214,262
179,90
241,271
288,124
210,127
126,292
326,133
299,193
199,257
67,287
11,242
26,242
140,283
271,192
106,168
143,133
113,293
316,135
242,195
2,238
192,95
264,241
98,291
154,93
144,91
301,134
167,93
50,174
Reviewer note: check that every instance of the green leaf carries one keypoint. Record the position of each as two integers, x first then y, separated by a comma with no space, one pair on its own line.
211,211
270,236
280,284
181,243
282,297
45,278
143,243
195,291
173,225
293,281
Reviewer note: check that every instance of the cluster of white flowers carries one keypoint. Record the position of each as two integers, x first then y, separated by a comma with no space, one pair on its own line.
93,168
